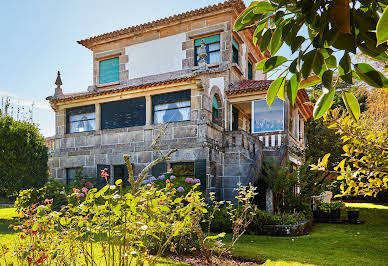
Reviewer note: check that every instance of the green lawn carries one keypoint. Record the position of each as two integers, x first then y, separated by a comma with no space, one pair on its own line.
328,244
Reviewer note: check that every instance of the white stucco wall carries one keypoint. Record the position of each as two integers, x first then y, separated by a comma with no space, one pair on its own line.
244,62
156,56
219,82
259,75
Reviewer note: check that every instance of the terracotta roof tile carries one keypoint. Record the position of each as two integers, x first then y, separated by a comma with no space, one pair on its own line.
238,4
244,85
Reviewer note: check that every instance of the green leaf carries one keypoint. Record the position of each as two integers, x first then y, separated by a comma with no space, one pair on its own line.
327,79
35,227
248,13
319,65
373,53
274,88
260,65
263,7
345,42
273,63
309,82
331,61
265,40
351,104
258,31
296,43
323,103
292,88
293,65
312,60
370,75
382,27
276,42
345,68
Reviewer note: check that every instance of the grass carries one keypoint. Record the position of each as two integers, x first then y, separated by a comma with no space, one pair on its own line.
328,244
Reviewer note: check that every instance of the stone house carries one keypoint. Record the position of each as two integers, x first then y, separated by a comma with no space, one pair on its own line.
192,72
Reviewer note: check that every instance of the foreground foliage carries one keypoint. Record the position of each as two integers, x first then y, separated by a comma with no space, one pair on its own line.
332,26
364,169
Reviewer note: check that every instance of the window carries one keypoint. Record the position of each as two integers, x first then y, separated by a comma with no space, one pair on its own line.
250,70
183,169
235,48
171,107
215,111
72,174
120,114
80,119
109,70
213,49
121,172
268,119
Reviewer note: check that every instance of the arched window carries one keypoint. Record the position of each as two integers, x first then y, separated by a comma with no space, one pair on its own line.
216,110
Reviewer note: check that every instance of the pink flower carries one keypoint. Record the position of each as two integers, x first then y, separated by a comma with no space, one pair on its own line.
196,181
48,201
85,190
180,189
81,195
76,190
89,184
189,180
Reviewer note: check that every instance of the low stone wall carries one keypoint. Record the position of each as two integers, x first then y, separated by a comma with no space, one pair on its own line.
302,228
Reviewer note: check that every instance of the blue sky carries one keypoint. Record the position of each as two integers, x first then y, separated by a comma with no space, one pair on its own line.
39,37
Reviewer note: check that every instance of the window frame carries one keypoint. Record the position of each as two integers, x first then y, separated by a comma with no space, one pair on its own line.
117,76
77,168
87,109
196,60
250,69
235,51
171,98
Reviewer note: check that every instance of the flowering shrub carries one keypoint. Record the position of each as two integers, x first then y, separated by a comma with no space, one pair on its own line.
119,226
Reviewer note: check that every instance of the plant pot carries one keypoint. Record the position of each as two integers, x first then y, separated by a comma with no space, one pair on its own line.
353,216
335,216
321,216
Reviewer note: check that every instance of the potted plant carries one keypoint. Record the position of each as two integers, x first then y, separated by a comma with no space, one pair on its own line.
322,214
335,211
353,215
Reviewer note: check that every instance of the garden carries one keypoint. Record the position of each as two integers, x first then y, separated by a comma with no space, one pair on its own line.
168,220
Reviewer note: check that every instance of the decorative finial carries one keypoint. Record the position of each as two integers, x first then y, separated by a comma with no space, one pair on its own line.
58,90
58,82
202,54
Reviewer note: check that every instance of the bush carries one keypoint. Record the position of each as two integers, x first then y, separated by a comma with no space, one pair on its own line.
23,160
327,207
286,218
53,190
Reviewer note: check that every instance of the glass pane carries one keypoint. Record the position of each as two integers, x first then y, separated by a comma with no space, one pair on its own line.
214,57
82,117
166,106
214,47
173,115
268,119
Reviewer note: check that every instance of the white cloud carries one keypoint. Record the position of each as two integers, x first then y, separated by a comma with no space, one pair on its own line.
16,100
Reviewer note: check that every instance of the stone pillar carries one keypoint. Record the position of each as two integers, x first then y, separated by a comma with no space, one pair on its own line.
269,200
98,116
148,110
60,122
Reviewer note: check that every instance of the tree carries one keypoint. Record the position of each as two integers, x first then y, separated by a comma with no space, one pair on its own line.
23,156
364,169
332,27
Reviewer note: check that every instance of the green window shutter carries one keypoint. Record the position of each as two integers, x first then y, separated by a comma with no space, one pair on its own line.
200,172
159,169
215,102
250,70
235,44
207,40
109,70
